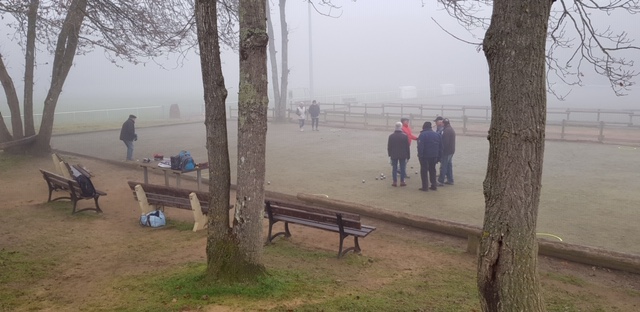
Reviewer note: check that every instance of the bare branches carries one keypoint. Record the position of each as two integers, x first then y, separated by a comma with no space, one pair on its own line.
326,8
575,39
134,31
603,50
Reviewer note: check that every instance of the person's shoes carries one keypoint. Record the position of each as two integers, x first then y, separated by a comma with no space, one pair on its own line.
448,183
403,184
301,129
407,177
433,188
423,189
394,184
440,184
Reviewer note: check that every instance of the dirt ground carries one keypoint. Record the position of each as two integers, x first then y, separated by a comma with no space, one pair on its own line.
89,251
589,190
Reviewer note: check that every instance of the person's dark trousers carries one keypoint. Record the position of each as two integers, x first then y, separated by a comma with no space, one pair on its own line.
431,163
314,123
428,172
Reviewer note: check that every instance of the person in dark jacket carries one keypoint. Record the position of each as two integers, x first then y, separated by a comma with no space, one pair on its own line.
448,149
399,151
429,153
128,135
314,111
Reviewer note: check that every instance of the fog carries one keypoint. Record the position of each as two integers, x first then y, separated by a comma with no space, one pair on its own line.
368,52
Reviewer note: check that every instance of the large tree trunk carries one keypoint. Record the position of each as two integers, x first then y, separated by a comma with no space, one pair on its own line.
284,82
66,48
252,132
30,58
222,250
514,46
274,66
14,106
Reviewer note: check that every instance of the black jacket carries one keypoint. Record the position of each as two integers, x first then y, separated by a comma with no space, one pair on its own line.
398,146
314,110
448,141
128,131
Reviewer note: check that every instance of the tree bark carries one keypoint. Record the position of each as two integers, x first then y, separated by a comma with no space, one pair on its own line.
514,47
222,248
274,66
30,59
284,82
252,132
14,106
66,48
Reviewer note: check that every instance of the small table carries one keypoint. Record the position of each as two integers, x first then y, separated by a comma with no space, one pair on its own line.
178,173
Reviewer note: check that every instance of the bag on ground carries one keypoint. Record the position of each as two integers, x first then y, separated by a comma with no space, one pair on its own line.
153,219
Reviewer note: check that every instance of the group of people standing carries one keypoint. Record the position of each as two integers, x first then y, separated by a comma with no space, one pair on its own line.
433,147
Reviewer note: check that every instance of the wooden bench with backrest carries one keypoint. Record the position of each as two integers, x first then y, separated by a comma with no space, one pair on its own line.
57,183
152,197
344,223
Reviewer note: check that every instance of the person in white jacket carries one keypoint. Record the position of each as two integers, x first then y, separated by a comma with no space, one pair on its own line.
301,111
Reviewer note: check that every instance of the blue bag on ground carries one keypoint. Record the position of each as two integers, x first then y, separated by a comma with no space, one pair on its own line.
153,219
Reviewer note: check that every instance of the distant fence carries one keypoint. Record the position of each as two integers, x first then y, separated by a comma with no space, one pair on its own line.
100,115
598,125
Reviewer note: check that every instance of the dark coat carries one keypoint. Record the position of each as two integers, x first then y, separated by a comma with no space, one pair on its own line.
128,131
448,141
398,146
429,144
314,110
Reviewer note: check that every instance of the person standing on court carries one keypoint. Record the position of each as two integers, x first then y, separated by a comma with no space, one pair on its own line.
399,151
448,149
314,112
439,124
407,130
128,135
301,111
429,152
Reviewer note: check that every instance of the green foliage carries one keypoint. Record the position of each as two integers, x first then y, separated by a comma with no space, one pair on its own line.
567,279
179,225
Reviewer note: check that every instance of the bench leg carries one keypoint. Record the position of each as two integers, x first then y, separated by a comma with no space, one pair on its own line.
142,200
286,232
200,221
355,248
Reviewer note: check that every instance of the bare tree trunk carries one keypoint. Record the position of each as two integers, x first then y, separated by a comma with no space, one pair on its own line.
14,105
222,250
274,67
30,58
284,83
514,46
66,48
252,132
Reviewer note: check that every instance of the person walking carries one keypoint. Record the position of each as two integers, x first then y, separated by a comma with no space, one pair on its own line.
399,151
410,137
314,112
429,152
448,149
128,135
301,111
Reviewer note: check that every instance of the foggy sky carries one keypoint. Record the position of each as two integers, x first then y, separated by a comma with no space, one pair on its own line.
373,45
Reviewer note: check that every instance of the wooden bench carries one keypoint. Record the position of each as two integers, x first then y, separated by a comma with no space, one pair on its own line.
70,186
152,197
347,224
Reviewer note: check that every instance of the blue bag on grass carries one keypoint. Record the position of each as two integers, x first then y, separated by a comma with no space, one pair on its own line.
153,219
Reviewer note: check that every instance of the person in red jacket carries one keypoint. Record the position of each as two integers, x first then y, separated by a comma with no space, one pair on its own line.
407,130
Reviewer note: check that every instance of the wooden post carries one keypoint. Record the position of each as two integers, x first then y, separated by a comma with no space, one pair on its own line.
142,200
601,136
464,124
562,131
199,219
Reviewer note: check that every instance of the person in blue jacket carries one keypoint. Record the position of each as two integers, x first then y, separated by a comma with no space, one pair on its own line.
429,153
